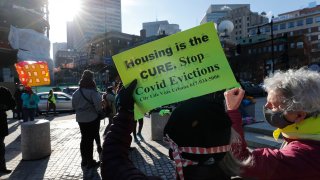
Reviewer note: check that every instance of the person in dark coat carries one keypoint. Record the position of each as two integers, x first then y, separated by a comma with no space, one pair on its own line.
7,103
17,97
199,134
116,164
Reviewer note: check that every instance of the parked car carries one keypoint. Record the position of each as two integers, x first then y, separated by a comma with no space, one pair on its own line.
63,101
70,90
253,89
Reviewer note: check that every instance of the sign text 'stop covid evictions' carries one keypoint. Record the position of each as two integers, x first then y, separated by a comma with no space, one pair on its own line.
175,68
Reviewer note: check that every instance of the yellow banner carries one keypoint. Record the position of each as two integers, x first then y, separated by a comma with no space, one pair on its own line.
175,68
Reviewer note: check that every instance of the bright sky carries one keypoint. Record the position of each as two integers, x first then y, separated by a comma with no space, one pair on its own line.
186,13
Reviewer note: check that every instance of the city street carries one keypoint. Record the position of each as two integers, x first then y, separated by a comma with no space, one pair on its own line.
64,161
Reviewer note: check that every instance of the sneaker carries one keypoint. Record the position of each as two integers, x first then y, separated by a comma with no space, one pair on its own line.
5,171
140,136
136,140
93,164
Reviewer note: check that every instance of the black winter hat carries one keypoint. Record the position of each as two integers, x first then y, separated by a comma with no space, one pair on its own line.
199,122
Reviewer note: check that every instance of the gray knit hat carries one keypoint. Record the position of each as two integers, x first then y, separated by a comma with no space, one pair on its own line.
86,80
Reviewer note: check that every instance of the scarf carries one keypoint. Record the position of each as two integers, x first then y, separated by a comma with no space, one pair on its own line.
308,129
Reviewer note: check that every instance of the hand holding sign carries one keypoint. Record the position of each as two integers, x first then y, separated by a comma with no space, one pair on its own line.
175,68
126,101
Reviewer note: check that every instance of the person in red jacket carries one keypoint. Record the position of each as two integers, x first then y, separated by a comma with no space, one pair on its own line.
293,106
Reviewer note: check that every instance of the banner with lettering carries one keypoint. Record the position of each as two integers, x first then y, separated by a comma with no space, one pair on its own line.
175,68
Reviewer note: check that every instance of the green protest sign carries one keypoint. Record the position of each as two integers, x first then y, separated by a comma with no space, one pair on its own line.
175,68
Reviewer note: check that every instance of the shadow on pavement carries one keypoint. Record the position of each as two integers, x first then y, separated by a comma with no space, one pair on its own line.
161,162
30,170
14,148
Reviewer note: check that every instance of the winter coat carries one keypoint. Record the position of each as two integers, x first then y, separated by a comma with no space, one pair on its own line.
30,101
86,111
7,102
116,164
299,159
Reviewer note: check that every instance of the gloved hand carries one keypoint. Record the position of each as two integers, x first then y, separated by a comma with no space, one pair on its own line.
125,96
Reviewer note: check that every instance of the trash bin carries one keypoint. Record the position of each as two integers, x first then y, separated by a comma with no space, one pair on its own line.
158,123
35,139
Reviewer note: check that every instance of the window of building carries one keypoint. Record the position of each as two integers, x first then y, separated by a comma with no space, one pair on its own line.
300,22
249,51
318,28
240,32
244,41
248,24
317,19
265,49
309,20
239,26
283,26
236,21
299,45
254,51
269,49
290,24
292,45
318,36
236,26
309,38
309,30
291,33
281,47
248,18
259,50
275,27
267,29
318,46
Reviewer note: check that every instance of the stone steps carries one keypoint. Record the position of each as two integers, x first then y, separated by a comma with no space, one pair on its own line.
259,135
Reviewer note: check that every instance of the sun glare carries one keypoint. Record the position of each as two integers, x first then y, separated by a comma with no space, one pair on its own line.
64,10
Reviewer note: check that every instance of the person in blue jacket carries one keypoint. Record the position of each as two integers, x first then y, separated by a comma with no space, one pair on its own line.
30,102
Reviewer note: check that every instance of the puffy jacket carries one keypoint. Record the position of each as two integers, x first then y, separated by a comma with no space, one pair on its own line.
30,101
86,111
299,159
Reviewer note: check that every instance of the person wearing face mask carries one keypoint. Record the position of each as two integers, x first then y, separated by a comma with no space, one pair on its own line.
293,107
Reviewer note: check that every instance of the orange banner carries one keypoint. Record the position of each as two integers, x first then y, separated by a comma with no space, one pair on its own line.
33,73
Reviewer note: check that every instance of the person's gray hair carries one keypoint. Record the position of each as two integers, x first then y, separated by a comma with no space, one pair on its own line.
300,89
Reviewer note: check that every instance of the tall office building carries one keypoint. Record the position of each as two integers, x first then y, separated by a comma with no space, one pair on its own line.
217,11
160,27
304,22
58,47
95,18
239,14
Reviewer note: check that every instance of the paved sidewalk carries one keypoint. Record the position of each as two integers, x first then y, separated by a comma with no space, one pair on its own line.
64,161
